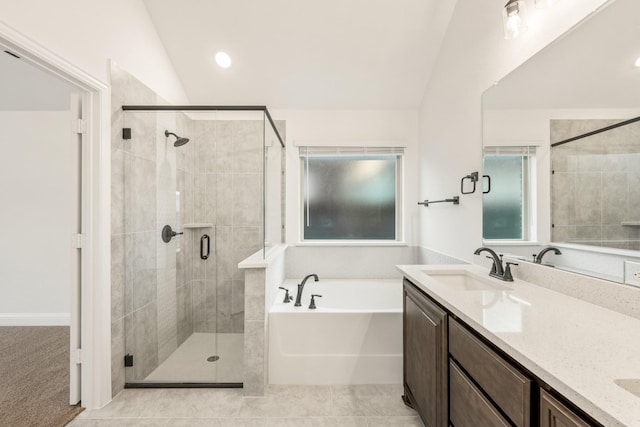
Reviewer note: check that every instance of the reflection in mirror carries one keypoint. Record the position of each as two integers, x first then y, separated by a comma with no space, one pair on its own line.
595,191
586,193
506,207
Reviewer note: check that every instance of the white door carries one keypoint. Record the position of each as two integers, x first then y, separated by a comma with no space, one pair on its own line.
77,133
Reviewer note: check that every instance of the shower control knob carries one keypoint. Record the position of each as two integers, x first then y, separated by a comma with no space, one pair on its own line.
168,233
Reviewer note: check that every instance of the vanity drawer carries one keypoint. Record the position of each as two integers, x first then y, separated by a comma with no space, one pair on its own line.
468,406
504,384
553,413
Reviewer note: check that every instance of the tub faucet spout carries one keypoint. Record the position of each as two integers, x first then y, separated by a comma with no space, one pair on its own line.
301,288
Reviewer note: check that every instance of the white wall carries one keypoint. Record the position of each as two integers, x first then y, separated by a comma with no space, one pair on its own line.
89,32
25,87
350,128
473,56
35,250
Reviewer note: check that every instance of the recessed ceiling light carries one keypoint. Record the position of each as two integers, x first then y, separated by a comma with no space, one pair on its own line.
637,63
223,60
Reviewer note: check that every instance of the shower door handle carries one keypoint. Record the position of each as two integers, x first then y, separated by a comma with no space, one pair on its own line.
203,255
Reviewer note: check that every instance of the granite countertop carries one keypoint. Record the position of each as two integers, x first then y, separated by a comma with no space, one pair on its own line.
576,347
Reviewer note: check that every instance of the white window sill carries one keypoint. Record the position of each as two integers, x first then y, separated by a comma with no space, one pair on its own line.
509,243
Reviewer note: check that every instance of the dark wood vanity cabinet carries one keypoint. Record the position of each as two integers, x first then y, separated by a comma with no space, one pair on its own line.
555,414
469,406
425,357
498,380
453,377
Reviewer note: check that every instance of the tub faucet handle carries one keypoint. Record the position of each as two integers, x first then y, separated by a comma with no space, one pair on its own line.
312,305
287,297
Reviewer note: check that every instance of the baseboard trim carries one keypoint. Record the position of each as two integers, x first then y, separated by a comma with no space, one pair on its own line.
35,319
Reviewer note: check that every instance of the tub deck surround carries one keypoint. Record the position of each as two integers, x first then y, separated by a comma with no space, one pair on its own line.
344,295
354,336
578,348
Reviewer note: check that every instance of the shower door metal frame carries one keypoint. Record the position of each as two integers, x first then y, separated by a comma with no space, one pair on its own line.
207,108
177,108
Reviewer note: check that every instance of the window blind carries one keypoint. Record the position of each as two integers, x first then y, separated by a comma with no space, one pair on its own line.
510,151
350,151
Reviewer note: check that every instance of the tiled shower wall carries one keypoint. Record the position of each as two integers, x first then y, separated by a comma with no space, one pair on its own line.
595,190
162,293
129,259
228,194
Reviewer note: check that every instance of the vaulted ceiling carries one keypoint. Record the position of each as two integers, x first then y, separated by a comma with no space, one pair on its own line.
298,54
591,66
355,54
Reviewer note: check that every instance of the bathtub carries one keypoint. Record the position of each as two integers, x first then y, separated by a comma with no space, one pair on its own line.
353,337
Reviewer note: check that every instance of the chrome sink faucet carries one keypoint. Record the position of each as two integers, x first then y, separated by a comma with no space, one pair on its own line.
301,288
497,270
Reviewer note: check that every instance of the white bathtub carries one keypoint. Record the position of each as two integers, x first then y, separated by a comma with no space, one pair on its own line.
353,337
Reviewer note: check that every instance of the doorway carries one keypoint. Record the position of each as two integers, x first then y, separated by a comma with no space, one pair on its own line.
93,260
42,189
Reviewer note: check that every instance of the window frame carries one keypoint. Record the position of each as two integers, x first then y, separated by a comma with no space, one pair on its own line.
529,191
333,151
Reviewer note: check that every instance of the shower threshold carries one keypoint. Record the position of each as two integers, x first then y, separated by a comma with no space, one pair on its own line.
183,385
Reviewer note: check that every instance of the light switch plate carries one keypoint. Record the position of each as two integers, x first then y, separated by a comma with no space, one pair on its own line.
632,273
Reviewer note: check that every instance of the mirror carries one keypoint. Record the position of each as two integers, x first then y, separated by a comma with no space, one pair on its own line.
582,196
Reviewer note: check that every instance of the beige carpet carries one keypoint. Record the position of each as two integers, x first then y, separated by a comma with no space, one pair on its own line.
34,377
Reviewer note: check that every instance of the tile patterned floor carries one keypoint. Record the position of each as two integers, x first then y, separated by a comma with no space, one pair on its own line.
282,406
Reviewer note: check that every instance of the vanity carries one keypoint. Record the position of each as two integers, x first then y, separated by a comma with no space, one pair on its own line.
483,352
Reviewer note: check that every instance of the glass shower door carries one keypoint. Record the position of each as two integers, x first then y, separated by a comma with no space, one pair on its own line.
157,202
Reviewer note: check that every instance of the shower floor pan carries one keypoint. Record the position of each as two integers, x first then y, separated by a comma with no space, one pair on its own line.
194,363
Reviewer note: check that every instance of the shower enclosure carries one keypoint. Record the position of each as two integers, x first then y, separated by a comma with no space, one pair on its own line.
202,191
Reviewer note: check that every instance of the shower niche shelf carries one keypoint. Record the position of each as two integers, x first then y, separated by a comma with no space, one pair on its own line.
193,225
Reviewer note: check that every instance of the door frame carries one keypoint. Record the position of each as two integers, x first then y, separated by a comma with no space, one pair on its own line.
95,317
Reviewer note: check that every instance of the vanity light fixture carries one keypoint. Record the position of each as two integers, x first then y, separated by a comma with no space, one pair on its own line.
637,63
514,18
223,59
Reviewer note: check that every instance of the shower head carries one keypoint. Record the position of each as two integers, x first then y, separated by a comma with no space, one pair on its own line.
179,141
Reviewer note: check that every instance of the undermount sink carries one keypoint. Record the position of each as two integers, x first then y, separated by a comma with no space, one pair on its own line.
461,280
631,385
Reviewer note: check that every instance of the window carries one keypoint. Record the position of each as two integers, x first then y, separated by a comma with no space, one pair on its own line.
508,212
351,193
